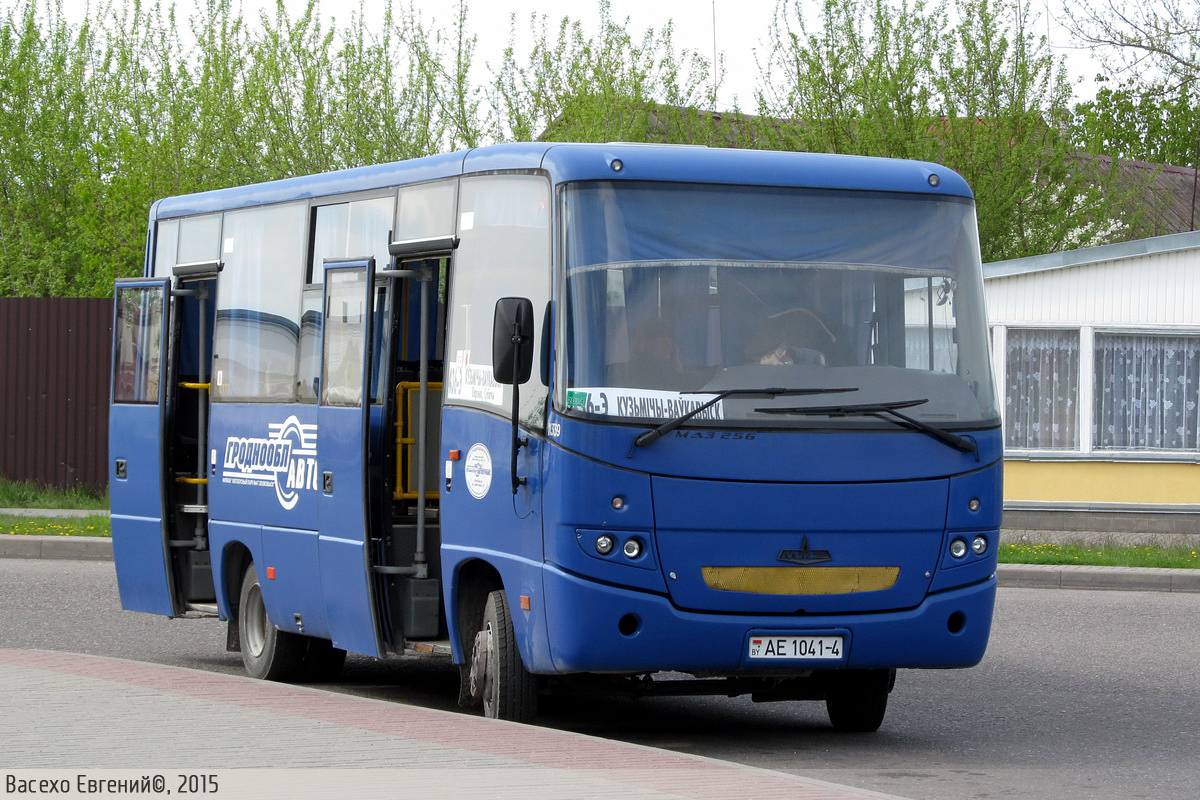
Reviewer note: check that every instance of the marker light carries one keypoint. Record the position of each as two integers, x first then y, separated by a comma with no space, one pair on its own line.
617,165
974,504
979,546
958,548
618,503
604,544
633,548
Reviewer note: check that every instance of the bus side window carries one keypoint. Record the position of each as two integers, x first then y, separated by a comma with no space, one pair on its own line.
354,229
504,250
258,304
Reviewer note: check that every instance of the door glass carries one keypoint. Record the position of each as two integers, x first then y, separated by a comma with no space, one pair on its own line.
137,362
345,337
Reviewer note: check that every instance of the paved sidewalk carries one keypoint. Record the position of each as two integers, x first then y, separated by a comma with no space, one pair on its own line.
68,715
1018,576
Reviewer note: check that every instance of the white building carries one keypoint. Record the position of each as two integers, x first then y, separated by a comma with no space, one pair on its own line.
1097,357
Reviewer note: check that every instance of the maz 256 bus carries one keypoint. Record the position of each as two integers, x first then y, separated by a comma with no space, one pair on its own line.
597,418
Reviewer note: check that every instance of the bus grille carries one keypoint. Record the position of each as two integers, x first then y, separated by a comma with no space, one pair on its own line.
800,580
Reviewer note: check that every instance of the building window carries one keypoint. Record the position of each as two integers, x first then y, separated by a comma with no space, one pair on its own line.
1147,392
1042,390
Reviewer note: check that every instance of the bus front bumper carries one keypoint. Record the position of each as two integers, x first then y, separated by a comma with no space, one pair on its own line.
595,627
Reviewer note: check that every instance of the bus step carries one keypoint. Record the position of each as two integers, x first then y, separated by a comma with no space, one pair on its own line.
186,508
202,609
438,647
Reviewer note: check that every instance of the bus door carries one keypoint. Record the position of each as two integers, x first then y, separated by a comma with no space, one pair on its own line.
409,557
137,445
343,428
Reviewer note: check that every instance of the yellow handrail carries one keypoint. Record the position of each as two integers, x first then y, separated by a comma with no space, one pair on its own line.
187,385
406,423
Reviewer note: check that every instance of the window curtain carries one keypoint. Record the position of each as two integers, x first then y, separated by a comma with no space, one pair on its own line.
1042,396
1147,392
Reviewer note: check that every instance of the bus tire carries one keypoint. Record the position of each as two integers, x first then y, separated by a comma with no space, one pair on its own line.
507,689
322,661
857,702
267,653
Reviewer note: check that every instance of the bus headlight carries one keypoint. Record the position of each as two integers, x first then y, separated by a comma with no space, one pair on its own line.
604,544
979,546
633,548
958,548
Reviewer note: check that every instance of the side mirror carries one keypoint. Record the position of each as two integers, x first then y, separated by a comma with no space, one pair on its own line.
512,340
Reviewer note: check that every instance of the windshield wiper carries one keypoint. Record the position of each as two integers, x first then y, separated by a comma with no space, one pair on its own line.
886,411
651,436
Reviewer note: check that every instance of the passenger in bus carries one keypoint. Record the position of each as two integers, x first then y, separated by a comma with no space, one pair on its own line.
653,357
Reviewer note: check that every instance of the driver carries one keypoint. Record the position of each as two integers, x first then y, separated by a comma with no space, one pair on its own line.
773,345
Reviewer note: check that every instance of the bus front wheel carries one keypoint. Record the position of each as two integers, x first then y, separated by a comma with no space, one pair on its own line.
497,675
268,653
857,701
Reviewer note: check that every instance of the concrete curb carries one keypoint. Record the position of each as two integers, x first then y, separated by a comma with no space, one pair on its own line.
54,512
80,548
1011,576
1129,579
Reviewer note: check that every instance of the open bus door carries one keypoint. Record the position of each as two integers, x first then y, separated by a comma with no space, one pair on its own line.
343,424
137,445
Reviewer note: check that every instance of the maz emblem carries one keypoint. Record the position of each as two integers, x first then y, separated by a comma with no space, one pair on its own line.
804,555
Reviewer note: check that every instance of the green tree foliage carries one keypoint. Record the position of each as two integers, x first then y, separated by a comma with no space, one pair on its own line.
149,98
608,87
48,159
100,119
1147,106
1151,122
959,84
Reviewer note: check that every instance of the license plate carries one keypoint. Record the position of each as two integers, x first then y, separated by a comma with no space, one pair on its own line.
818,647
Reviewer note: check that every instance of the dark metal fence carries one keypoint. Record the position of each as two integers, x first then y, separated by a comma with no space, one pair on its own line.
54,377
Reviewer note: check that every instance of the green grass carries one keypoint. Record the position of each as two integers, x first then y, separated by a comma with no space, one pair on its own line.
97,525
1101,555
15,494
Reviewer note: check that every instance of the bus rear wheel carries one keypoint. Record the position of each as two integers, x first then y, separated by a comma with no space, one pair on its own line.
267,653
857,700
497,675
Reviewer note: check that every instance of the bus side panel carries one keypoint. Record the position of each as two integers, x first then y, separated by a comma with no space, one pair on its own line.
290,559
264,464
483,520
263,472
223,539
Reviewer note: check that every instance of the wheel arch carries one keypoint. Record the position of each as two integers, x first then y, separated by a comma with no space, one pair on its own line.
235,557
472,582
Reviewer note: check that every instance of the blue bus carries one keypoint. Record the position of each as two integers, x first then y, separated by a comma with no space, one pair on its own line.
604,418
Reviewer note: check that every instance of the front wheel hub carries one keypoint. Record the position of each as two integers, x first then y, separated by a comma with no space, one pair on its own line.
479,664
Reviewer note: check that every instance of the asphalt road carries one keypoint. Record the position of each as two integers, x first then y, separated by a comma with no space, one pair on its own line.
1081,694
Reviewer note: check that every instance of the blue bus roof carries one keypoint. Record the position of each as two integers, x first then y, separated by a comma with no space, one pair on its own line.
614,161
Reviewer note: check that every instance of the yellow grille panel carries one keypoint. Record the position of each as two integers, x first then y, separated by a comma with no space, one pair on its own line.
800,580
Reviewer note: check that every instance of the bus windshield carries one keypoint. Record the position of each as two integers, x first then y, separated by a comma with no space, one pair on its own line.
678,292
